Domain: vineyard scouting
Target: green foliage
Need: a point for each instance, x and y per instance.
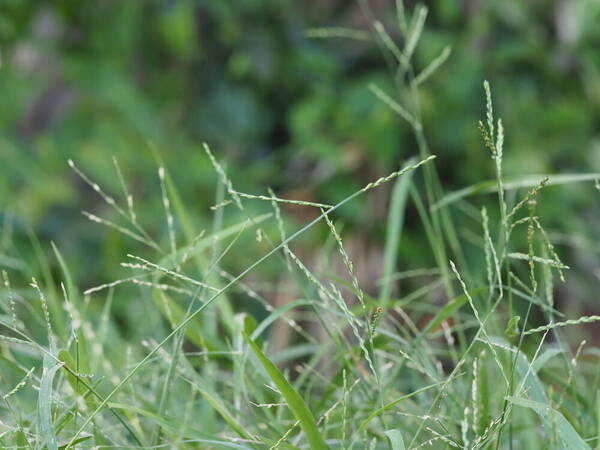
(216, 312)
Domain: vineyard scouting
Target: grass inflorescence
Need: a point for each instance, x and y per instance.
(467, 354)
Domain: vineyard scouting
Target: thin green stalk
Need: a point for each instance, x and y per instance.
(186, 321)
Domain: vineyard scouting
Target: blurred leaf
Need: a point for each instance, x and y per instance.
(292, 397)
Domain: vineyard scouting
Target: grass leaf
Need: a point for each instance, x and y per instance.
(292, 397)
(528, 181)
(393, 232)
(45, 403)
(564, 430)
(395, 440)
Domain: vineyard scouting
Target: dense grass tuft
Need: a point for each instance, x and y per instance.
(467, 354)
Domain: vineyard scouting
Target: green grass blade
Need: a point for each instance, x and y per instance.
(277, 314)
(395, 440)
(449, 308)
(291, 396)
(392, 403)
(172, 426)
(529, 181)
(192, 250)
(172, 311)
(45, 403)
(71, 289)
(79, 440)
(393, 232)
(565, 431)
(546, 356)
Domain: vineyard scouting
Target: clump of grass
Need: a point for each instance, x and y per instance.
(396, 370)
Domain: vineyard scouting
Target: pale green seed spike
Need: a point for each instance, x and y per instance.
(393, 104)
(20, 385)
(416, 29)
(550, 246)
(126, 193)
(475, 396)
(70, 311)
(530, 195)
(389, 43)
(582, 319)
(433, 66)
(338, 32)
(359, 296)
(401, 16)
(167, 207)
(130, 216)
(220, 204)
(146, 265)
(280, 227)
(499, 140)
(285, 436)
(550, 262)
(279, 200)
(188, 251)
(489, 108)
(11, 299)
(96, 187)
(530, 245)
(488, 252)
(354, 324)
(396, 174)
(34, 284)
(120, 229)
(224, 179)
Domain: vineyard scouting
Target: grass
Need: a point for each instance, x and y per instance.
(468, 354)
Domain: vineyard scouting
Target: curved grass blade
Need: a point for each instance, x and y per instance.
(291, 396)
(172, 427)
(529, 181)
(565, 431)
(449, 308)
(393, 233)
(45, 403)
(80, 439)
(395, 440)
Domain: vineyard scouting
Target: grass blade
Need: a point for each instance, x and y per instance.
(393, 232)
(292, 397)
(45, 403)
(528, 181)
(565, 431)
(392, 403)
(395, 440)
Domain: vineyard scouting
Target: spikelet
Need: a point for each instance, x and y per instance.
(42, 297)
(11, 300)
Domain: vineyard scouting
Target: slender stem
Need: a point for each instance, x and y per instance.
(191, 317)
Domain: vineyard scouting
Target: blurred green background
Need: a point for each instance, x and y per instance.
(149, 80)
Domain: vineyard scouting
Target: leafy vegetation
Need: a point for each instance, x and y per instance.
(250, 318)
